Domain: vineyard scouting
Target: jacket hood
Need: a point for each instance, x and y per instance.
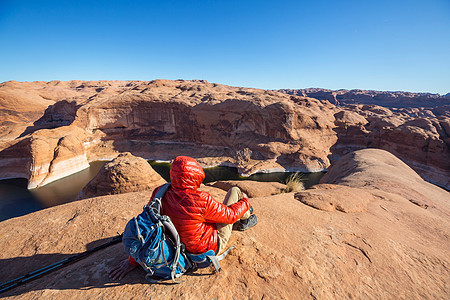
(186, 173)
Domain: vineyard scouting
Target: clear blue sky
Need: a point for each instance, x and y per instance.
(380, 45)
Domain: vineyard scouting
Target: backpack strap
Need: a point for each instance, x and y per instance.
(173, 231)
(156, 203)
(215, 259)
(165, 220)
(138, 232)
(202, 259)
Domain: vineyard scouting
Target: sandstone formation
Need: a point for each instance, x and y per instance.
(382, 173)
(19, 108)
(251, 129)
(23, 103)
(254, 130)
(46, 155)
(126, 173)
(422, 142)
(413, 126)
(380, 245)
(381, 98)
(253, 189)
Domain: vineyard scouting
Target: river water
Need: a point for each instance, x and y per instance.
(16, 200)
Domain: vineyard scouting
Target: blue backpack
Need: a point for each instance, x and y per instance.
(152, 240)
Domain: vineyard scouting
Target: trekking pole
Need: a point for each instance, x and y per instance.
(38, 273)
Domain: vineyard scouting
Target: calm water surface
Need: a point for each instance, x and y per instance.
(16, 200)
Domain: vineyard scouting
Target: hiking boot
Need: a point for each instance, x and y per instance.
(243, 225)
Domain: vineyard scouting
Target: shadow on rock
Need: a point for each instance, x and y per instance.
(89, 272)
(61, 113)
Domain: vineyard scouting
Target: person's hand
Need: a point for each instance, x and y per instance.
(244, 195)
(121, 270)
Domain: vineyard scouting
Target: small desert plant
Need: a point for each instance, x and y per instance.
(294, 183)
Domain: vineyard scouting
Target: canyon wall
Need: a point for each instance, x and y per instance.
(413, 126)
(382, 98)
(421, 142)
(45, 156)
(251, 129)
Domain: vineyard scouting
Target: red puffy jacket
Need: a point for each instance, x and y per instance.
(194, 213)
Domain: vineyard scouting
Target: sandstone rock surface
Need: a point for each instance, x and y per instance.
(126, 173)
(391, 249)
(329, 197)
(253, 189)
(379, 172)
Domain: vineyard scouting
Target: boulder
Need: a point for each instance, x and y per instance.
(126, 173)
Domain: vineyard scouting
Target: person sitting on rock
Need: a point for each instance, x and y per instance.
(202, 223)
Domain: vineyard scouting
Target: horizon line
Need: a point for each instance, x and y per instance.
(267, 89)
